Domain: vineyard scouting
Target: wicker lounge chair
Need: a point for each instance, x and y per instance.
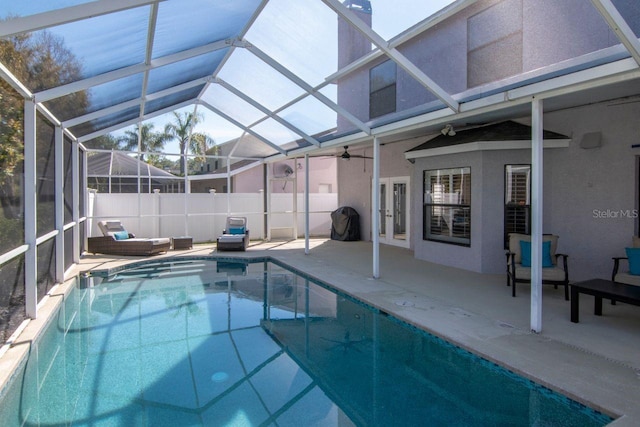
(235, 237)
(117, 241)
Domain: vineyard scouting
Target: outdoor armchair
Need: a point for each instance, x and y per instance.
(554, 271)
(631, 274)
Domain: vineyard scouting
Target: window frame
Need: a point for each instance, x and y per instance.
(518, 205)
(381, 94)
(464, 204)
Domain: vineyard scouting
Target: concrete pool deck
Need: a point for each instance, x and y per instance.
(596, 361)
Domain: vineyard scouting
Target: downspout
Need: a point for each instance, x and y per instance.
(306, 204)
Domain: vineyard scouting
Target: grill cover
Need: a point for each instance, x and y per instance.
(345, 224)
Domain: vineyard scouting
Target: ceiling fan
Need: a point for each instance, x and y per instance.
(347, 156)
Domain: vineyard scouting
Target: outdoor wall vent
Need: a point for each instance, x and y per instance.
(591, 140)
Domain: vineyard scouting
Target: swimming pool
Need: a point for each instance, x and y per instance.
(206, 343)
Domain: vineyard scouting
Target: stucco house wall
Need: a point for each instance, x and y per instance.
(249, 181)
(590, 194)
(594, 189)
(486, 251)
(549, 31)
(322, 176)
(356, 177)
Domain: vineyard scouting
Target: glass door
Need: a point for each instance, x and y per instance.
(394, 211)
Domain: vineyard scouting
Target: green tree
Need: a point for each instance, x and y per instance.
(106, 142)
(183, 130)
(39, 62)
(162, 162)
(150, 141)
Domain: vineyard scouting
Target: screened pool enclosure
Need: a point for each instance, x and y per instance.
(280, 79)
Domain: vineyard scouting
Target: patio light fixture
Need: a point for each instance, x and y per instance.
(448, 130)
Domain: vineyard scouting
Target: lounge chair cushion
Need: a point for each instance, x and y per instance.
(109, 228)
(236, 230)
(514, 245)
(633, 255)
(551, 273)
(525, 253)
(156, 240)
(628, 279)
(231, 238)
(121, 235)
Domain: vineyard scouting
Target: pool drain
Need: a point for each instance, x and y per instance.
(219, 377)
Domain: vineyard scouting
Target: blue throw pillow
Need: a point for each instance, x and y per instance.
(525, 254)
(121, 235)
(633, 254)
(236, 230)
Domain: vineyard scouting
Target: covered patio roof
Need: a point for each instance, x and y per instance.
(270, 69)
(274, 70)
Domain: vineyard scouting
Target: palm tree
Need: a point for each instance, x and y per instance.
(151, 141)
(190, 141)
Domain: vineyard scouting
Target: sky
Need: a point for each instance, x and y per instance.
(278, 30)
(390, 17)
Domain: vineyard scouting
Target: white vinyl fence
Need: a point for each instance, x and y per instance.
(203, 216)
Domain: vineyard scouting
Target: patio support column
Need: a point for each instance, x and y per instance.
(294, 192)
(30, 210)
(536, 213)
(265, 201)
(228, 186)
(110, 169)
(267, 191)
(139, 179)
(79, 190)
(59, 203)
(375, 208)
(306, 204)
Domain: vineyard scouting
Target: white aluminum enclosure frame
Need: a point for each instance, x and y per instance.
(535, 94)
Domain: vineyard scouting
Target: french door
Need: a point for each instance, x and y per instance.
(394, 211)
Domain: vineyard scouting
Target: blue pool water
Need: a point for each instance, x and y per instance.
(206, 343)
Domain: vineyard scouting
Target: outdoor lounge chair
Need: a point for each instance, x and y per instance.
(519, 267)
(631, 275)
(117, 241)
(235, 237)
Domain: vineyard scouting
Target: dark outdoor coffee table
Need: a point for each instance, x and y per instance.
(601, 288)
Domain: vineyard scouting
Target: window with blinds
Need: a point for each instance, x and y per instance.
(517, 200)
(447, 205)
(382, 89)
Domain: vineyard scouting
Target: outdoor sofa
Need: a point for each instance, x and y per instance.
(117, 241)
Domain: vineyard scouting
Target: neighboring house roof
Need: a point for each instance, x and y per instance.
(245, 146)
(498, 136)
(250, 146)
(234, 169)
(115, 163)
